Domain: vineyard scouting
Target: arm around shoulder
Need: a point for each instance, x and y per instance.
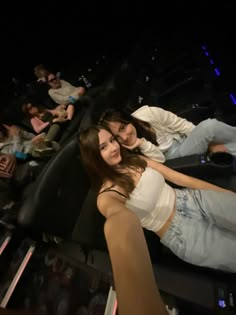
(181, 179)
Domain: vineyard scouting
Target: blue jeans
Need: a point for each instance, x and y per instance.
(203, 230)
(209, 130)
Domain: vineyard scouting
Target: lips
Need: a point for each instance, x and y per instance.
(115, 155)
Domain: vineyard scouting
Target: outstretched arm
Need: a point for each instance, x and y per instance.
(182, 179)
(135, 284)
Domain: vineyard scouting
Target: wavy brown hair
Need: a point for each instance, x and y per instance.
(98, 170)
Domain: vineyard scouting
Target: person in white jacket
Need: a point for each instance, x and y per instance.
(162, 135)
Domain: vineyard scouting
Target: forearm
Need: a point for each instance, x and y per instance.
(70, 111)
(195, 183)
(182, 179)
(135, 285)
(38, 128)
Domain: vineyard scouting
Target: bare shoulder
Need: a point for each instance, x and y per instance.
(106, 185)
(110, 199)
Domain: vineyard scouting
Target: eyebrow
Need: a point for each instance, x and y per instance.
(101, 144)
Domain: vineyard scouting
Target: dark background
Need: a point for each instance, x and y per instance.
(60, 35)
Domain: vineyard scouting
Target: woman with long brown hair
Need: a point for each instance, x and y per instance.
(197, 222)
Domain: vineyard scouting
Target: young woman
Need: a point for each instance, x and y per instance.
(45, 120)
(160, 134)
(197, 223)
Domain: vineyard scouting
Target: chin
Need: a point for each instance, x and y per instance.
(116, 161)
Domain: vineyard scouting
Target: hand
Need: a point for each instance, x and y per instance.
(60, 119)
(217, 148)
(7, 165)
(80, 90)
(60, 107)
(136, 144)
(62, 114)
(38, 139)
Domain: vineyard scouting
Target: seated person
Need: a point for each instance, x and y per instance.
(47, 120)
(197, 222)
(63, 93)
(14, 140)
(162, 135)
(41, 72)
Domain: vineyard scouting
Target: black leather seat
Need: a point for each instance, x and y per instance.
(53, 202)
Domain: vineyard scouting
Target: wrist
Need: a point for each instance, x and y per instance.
(72, 99)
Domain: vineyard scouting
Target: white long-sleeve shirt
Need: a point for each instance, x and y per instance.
(167, 126)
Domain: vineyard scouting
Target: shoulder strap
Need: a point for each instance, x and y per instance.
(110, 189)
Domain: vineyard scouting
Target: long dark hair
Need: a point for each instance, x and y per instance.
(143, 128)
(25, 108)
(98, 170)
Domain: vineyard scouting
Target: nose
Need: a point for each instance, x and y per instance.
(123, 137)
(113, 146)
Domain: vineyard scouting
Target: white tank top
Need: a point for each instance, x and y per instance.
(152, 200)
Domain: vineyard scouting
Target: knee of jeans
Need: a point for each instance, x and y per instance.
(209, 127)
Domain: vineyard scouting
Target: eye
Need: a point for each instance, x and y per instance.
(102, 147)
(122, 127)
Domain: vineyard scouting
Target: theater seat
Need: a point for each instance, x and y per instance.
(217, 168)
(53, 202)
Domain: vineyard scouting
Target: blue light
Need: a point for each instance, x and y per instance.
(203, 47)
(233, 98)
(217, 72)
(221, 303)
(207, 53)
(211, 61)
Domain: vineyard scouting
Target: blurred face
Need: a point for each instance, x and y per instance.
(125, 133)
(109, 148)
(54, 82)
(32, 110)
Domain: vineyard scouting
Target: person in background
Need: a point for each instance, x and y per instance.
(40, 72)
(197, 221)
(64, 93)
(45, 120)
(162, 135)
(14, 140)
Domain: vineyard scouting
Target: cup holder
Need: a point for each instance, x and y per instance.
(221, 159)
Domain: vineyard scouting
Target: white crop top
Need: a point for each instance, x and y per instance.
(152, 200)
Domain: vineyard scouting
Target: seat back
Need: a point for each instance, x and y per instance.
(52, 204)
